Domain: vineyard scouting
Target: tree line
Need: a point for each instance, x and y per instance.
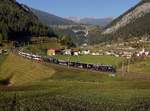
(19, 24)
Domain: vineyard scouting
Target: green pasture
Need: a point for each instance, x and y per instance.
(141, 66)
(92, 59)
(47, 87)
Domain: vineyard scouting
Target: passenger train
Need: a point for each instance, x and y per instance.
(96, 67)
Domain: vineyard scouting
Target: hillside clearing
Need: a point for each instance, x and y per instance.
(23, 71)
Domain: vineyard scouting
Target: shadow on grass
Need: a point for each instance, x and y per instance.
(6, 82)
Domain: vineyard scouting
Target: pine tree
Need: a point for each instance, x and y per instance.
(1, 38)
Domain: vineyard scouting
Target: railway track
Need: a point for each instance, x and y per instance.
(77, 65)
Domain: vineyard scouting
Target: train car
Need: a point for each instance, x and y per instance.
(62, 62)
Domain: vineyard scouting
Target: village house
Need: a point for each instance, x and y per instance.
(95, 53)
(116, 55)
(84, 45)
(67, 52)
(127, 54)
(3, 51)
(75, 52)
(85, 52)
(107, 53)
(53, 51)
(72, 52)
(142, 53)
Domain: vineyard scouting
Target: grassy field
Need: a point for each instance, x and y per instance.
(21, 71)
(141, 67)
(93, 59)
(63, 89)
(2, 58)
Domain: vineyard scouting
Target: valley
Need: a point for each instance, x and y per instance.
(70, 63)
(60, 85)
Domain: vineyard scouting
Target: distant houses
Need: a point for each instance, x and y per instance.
(85, 52)
(116, 53)
(3, 51)
(141, 53)
(126, 54)
(95, 53)
(71, 52)
(75, 52)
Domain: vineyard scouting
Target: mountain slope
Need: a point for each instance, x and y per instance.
(20, 24)
(96, 21)
(51, 19)
(133, 23)
(91, 21)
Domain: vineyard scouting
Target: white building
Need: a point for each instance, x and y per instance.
(76, 53)
(95, 53)
(85, 52)
(143, 52)
(67, 52)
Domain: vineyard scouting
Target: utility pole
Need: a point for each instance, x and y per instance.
(78, 59)
(68, 61)
(128, 70)
(122, 69)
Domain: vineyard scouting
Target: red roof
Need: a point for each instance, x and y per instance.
(54, 49)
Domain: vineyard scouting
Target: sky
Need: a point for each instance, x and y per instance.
(82, 8)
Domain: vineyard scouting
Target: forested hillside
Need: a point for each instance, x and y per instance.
(18, 23)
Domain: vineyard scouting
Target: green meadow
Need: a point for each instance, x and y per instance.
(46, 87)
(141, 67)
(93, 59)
